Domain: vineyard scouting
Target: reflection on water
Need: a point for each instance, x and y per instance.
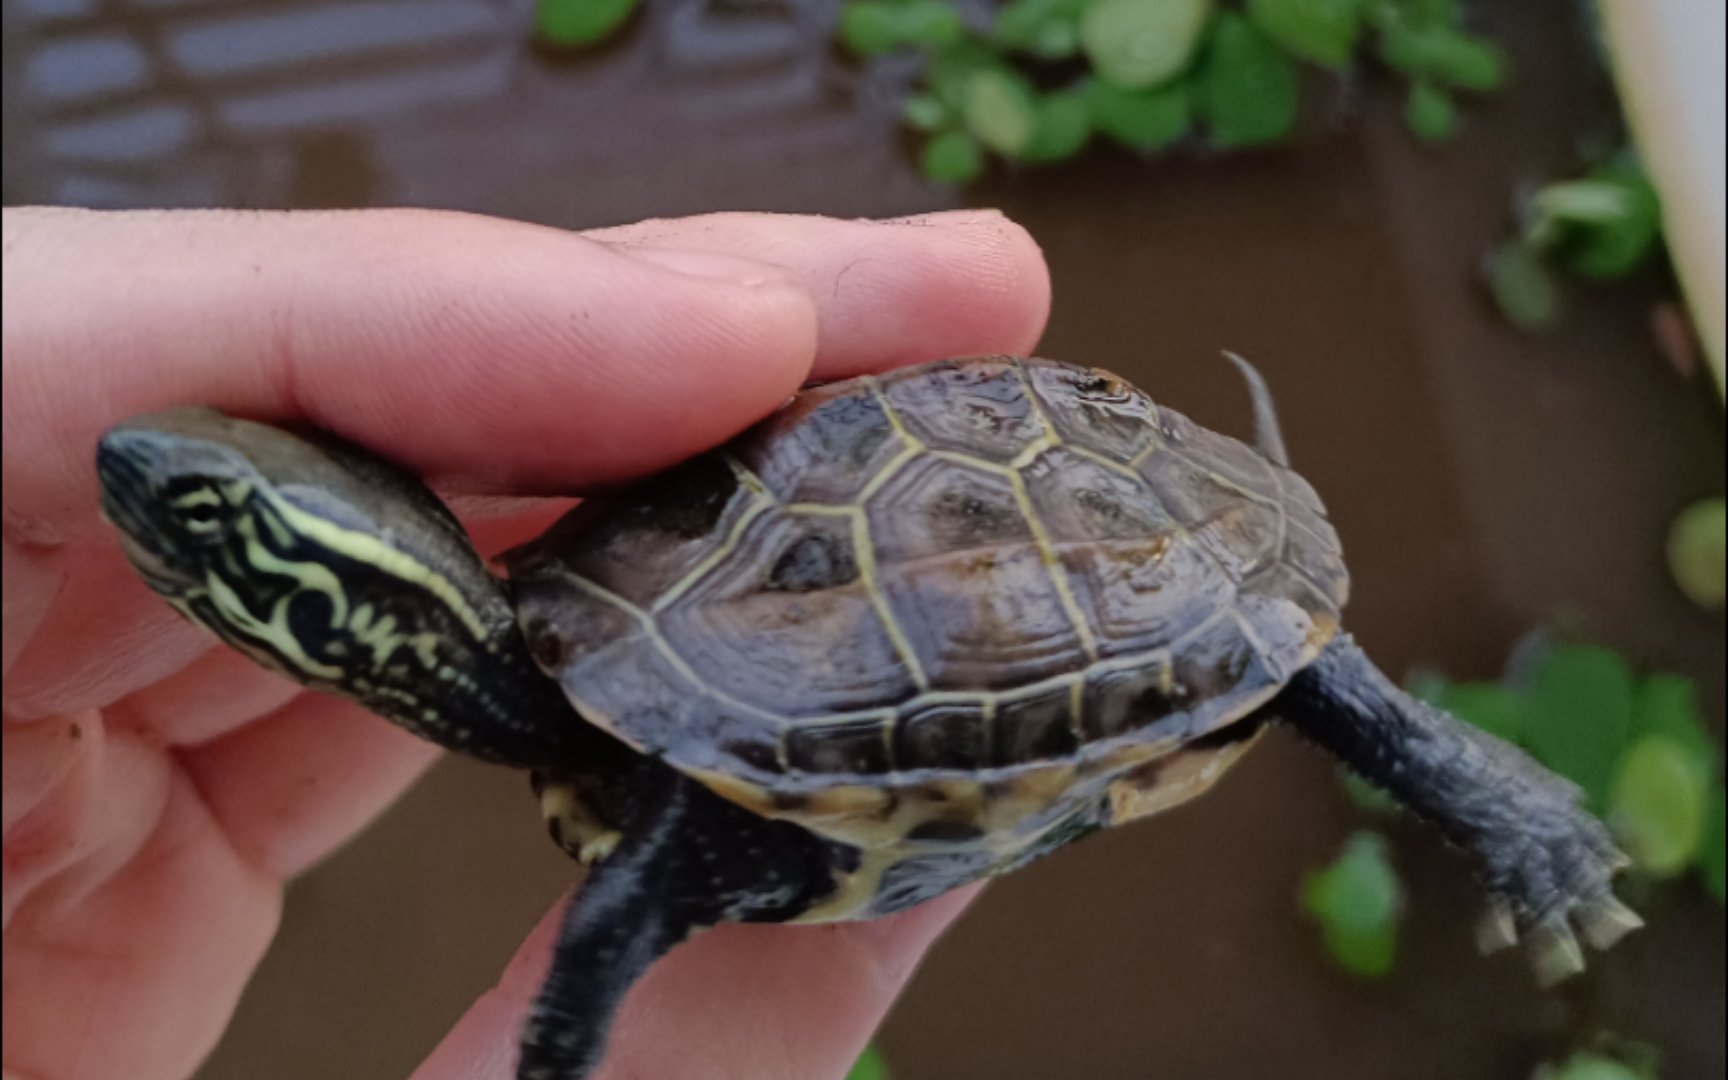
(257, 103)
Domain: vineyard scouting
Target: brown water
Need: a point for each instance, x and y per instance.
(1484, 483)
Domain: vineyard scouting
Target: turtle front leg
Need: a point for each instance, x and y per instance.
(686, 860)
(1541, 856)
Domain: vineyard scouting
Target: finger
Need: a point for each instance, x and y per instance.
(290, 787)
(496, 355)
(89, 997)
(735, 1003)
(889, 292)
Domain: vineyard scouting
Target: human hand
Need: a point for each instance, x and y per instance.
(158, 789)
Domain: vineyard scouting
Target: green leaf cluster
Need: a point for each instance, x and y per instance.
(1636, 746)
(1600, 226)
(1358, 902)
(580, 22)
(879, 26)
(1155, 71)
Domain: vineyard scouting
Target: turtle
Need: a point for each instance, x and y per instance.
(910, 631)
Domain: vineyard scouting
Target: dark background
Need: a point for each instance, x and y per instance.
(1484, 482)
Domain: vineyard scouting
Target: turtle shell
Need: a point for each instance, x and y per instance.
(991, 571)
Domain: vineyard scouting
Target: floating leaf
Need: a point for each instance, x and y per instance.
(926, 112)
(1063, 124)
(579, 22)
(1593, 202)
(1250, 89)
(869, 26)
(1444, 54)
(1047, 28)
(1580, 716)
(1697, 550)
(1141, 119)
(1522, 287)
(1587, 1066)
(953, 157)
(950, 72)
(1667, 705)
(1430, 112)
(1492, 707)
(1323, 31)
(1366, 796)
(1614, 245)
(1659, 805)
(929, 22)
(1000, 110)
(1712, 858)
(870, 1066)
(1141, 43)
(1358, 901)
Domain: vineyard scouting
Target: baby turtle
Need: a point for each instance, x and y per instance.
(910, 631)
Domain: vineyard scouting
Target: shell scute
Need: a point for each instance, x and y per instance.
(641, 543)
(748, 633)
(1243, 537)
(822, 447)
(942, 735)
(1036, 728)
(980, 408)
(979, 619)
(1081, 500)
(1143, 595)
(933, 506)
(1093, 408)
(1120, 700)
(855, 747)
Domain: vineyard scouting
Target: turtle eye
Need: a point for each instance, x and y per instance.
(200, 507)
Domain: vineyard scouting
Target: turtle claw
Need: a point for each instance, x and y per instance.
(1605, 921)
(1498, 929)
(1557, 954)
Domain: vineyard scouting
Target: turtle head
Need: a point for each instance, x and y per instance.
(177, 485)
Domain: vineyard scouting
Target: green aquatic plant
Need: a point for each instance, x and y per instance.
(1602, 225)
(1044, 76)
(1358, 902)
(869, 1066)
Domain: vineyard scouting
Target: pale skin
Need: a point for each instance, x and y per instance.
(159, 789)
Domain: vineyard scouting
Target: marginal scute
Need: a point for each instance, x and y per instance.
(823, 446)
(854, 747)
(979, 408)
(946, 735)
(1120, 700)
(1093, 409)
(1036, 728)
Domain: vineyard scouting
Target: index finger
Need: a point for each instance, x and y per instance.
(489, 355)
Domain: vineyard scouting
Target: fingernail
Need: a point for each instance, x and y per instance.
(970, 216)
(730, 268)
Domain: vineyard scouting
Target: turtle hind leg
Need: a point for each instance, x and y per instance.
(687, 859)
(1546, 862)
